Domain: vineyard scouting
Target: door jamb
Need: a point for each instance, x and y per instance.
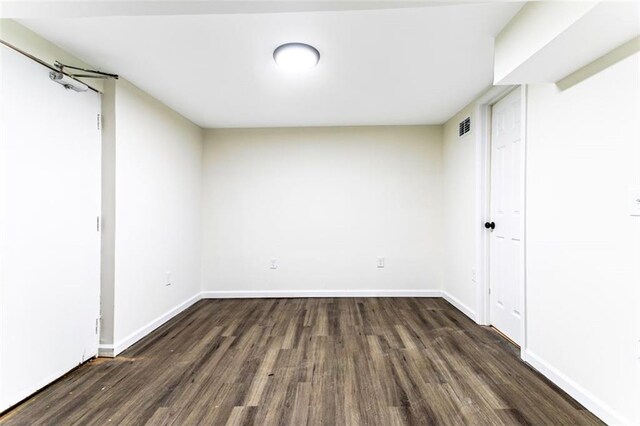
(483, 192)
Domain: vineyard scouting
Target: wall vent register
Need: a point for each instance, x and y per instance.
(464, 127)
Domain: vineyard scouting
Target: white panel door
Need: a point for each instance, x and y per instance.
(49, 242)
(506, 241)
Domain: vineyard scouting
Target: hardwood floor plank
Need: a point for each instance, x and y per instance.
(352, 361)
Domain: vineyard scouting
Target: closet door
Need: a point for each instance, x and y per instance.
(506, 268)
(49, 240)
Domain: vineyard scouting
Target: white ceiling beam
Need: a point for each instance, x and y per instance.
(100, 8)
(547, 41)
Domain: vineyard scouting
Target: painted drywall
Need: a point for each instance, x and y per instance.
(252, 91)
(158, 157)
(583, 247)
(325, 203)
(533, 27)
(459, 211)
(542, 39)
(151, 183)
(605, 61)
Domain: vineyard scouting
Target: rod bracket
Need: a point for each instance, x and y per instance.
(90, 73)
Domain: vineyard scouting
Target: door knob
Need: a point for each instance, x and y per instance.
(490, 225)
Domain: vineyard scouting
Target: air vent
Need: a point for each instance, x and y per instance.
(464, 127)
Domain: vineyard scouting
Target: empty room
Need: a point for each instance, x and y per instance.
(319, 212)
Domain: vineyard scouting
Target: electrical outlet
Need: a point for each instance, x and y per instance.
(274, 263)
(168, 280)
(380, 262)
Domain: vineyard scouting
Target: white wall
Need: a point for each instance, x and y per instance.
(151, 201)
(158, 157)
(583, 247)
(548, 40)
(325, 202)
(459, 209)
(535, 26)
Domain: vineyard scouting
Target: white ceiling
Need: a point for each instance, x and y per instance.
(378, 67)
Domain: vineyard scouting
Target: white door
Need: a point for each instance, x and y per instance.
(49, 242)
(506, 240)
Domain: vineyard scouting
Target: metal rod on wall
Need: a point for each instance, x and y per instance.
(43, 63)
(94, 73)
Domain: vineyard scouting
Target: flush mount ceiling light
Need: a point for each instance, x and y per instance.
(296, 57)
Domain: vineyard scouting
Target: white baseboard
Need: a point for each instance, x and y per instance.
(224, 294)
(577, 392)
(459, 305)
(106, 351)
(113, 350)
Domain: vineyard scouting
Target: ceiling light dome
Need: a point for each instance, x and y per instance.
(296, 57)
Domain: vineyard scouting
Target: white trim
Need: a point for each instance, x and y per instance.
(106, 351)
(483, 130)
(111, 351)
(253, 294)
(494, 94)
(523, 218)
(459, 305)
(577, 392)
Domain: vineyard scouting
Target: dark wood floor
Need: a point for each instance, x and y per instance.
(309, 361)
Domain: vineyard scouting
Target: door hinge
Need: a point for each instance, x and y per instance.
(99, 121)
(97, 324)
(98, 223)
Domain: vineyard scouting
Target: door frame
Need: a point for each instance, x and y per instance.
(482, 112)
